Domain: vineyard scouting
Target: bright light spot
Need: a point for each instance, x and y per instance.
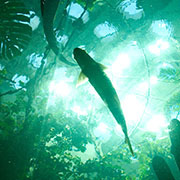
(75, 10)
(165, 65)
(158, 47)
(59, 88)
(143, 87)
(134, 42)
(102, 127)
(89, 107)
(129, 10)
(91, 53)
(153, 80)
(104, 29)
(1, 67)
(61, 39)
(161, 28)
(19, 80)
(51, 142)
(82, 47)
(35, 59)
(61, 73)
(85, 17)
(132, 108)
(102, 132)
(118, 129)
(90, 153)
(79, 111)
(156, 123)
(121, 62)
(34, 21)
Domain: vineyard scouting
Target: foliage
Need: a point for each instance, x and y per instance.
(34, 133)
(14, 27)
(169, 73)
(2, 74)
(11, 118)
(172, 106)
(88, 3)
(44, 148)
(146, 150)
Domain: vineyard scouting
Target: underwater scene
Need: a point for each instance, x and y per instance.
(89, 90)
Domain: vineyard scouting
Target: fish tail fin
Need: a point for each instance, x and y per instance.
(129, 144)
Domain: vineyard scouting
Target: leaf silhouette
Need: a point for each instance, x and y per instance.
(15, 29)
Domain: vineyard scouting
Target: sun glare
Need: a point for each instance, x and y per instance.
(153, 80)
(79, 111)
(159, 46)
(118, 129)
(59, 88)
(132, 108)
(102, 132)
(156, 123)
(143, 87)
(102, 127)
(122, 62)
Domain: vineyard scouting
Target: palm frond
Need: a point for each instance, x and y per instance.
(15, 29)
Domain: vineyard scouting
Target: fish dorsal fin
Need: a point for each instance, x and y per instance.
(103, 67)
(81, 79)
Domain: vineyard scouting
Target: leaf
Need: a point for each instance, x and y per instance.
(167, 73)
(89, 4)
(15, 29)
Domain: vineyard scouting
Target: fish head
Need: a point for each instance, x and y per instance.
(82, 58)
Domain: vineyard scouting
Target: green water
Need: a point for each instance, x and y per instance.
(50, 129)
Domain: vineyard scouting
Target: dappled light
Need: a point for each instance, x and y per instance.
(20, 81)
(158, 47)
(130, 10)
(105, 29)
(122, 62)
(162, 28)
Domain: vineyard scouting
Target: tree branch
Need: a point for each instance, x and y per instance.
(11, 92)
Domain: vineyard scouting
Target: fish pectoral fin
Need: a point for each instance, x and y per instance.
(103, 67)
(81, 79)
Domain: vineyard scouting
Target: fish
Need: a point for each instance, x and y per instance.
(174, 135)
(97, 77)
(48, 12)
(161, 168)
